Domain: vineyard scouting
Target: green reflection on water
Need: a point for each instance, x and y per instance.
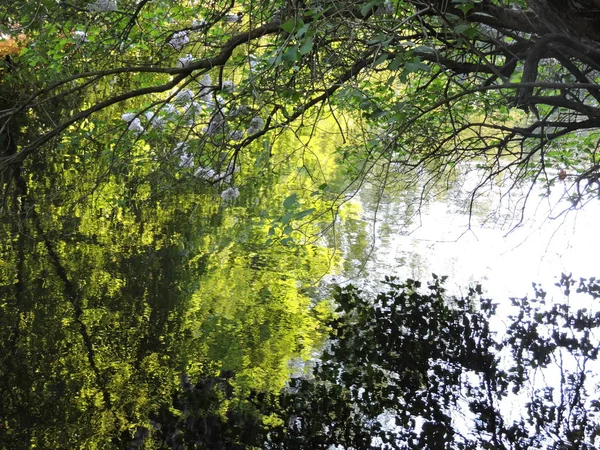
(121, 278)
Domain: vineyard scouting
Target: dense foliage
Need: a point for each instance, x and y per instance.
(416, 368)
(173, 184)
(108, 296)
(430, 85)
(413, 367)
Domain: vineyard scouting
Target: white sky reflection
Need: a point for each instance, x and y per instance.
(505, 262)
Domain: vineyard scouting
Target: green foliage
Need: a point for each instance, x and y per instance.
(120, 269)
(436, 87)
(169, 171)
(415, 368)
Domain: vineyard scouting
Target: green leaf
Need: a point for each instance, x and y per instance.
(396, 62)
(416, 65)
(378, 113)
(306, 47)
(464, 6)
(365, 104)
(460, 28)
(302, 30)
(303, 214)
(286, 218)
(383, 39)
(287, 241)
(382, 58)
(275, 60)
(366, 8)
(369, 6)
(465, 29)
(424, 49)
(292, 24)
(291, 54)
(291, 201)
(452, 17)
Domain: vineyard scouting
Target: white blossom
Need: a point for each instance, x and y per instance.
(232, 168)
(198, 23)
(205, 95)
(80, 37)
(136, 126)
(102, 6)
(227, 175)
(180, 146)
(206, 81)
(179, 40)
(184, 96)
(205, 173)
(216, 125)
(224, 177)
(230, 194)
(185, 61)
(256, 125)
(228, 86)
(386, 8)
(236, 135)
(191, 111)
(253, 61)
(243, 109)
(205, 88)
(186, 160)
(155, 120)
(257, 122)
(128, 117)
(208, 100)
(185, 382)
(230, 18)
(170, 110)
(193, 108)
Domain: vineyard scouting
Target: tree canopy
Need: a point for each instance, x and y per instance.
(173, 180)
(507, 87)
(413, 367)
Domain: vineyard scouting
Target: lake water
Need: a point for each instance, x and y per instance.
(494, 246)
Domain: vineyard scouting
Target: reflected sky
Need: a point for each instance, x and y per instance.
(492, 246)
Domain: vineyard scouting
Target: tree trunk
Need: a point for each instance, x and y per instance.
(577, 18)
